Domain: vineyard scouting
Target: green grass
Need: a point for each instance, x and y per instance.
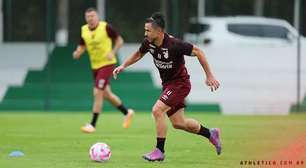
(53, 140)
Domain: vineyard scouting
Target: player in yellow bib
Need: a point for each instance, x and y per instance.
(98, 37)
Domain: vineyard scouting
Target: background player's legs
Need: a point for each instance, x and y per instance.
(96, 110)
(111, 97)
(97, 105)
(115, 101)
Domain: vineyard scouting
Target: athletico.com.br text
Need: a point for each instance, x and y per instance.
(272, 163)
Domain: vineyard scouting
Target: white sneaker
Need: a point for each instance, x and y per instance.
(88, 128)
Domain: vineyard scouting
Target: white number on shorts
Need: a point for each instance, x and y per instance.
(169, 92)
(101, 83)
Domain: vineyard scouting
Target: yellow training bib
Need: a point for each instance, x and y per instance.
(98, 44)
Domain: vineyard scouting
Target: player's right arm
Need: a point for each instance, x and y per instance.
(78, 51)
(129, 61)
(144, 48)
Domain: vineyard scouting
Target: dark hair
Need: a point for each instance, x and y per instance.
(91, 9)
(157, 19)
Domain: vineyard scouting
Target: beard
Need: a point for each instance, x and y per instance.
(151, 40)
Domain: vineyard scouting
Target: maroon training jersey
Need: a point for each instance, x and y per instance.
(169, 57)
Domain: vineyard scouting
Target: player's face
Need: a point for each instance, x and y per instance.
(151, 33)
(92, 19)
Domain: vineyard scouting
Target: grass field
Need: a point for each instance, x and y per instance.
(54, 140)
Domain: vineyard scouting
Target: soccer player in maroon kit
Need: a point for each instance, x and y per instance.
(168, 55)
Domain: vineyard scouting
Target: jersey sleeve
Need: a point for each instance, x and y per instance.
(144, 48)
(111, 32)
(82, 41)
(184, 48)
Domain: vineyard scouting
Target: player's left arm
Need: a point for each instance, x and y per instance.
(116, 38)
(118, 44)
(211, 81)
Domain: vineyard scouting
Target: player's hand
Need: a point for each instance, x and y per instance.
(117, 71)
(212, 83)
(110, 55)
(76, 55)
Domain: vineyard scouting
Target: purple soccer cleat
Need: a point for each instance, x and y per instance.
(155, 155)
(215, 139)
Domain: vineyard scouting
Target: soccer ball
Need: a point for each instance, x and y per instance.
(100, 152)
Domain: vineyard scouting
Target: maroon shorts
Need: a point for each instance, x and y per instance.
(102, 76)
(174, 94)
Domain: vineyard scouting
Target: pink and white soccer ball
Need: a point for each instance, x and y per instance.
(100, 152)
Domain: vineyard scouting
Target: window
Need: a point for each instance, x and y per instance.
(245, 29)
(196, 28)
(259, 30)
(275, 31)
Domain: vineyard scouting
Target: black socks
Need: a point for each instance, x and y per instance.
(122, 109)
(95, 116)
(94, 119)
(204, 132)
(160, 143)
